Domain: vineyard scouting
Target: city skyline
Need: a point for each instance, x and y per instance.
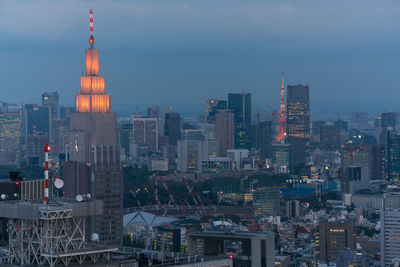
(190, 173)
(224, 46)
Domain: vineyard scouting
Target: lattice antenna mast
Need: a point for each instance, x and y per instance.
(282, 116)
(91, 39)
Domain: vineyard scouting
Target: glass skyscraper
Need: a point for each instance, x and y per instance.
(240, 104)
(298, 111)
(297, 124)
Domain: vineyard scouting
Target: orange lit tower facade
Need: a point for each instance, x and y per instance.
(93, 154)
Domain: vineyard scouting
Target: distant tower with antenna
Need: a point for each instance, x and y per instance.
(92, 166)
(282, 115)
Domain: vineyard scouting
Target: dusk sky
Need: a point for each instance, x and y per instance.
(178, 53)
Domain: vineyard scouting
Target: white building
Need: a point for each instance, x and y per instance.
(191, 153)
(390, 229)
(237, 155)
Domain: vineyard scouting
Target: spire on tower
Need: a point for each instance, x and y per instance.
(282, 117)
(91, 39)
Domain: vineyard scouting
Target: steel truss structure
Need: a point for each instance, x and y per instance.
(55, 237)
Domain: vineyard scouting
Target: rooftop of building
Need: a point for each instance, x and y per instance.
(230, 234)
(146, 218)
(31, 210)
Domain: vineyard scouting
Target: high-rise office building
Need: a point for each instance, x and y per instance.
(125, 133)
(281, 156)
(164, 111)
(192, 150)
(298, 111)
(316, 127)
(208, 130)
(240, 104)
(390, 229)
(359, 120)
(35, 120)
(333, 237)
(385, 123)
(343, 125)
(34, 145)
(191, 153)
(65, 112)
(192, 134)
(62, 128)
(292, 208)
(298, 153)
(212, 106)
(298, 124)
(10, 137)
(393, 157)
(52, 102)
(93, 158)
(388, 120)
(224, 131)
(265, 144)
(153, 112)
(376, 162)
(330, 136)
(145, 132)
(172, 127)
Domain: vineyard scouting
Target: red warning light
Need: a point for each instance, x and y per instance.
(47, 148)
(230, 256)
(17, 183)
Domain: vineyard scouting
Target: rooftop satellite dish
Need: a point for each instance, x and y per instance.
(79, 198)
(3, 196)
(58, 183)
(94, 237)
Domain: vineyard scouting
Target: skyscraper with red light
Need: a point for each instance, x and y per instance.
(93, 154)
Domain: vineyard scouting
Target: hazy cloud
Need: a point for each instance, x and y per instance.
(307, 21)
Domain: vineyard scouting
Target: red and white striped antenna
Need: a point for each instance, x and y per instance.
(282, 115)
(91, 39)
(46, 174)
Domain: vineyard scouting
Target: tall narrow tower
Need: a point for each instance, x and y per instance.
(93, 154)
(92, 97)
(240, 104)
(282, 117)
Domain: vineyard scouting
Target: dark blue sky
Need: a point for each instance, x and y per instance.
(178, 53)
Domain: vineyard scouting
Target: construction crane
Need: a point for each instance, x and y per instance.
(155, 190)
(190, 192)
(171, 196)
(201, 201)
(135, 197)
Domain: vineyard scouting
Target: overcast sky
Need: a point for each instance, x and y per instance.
(179, 52)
